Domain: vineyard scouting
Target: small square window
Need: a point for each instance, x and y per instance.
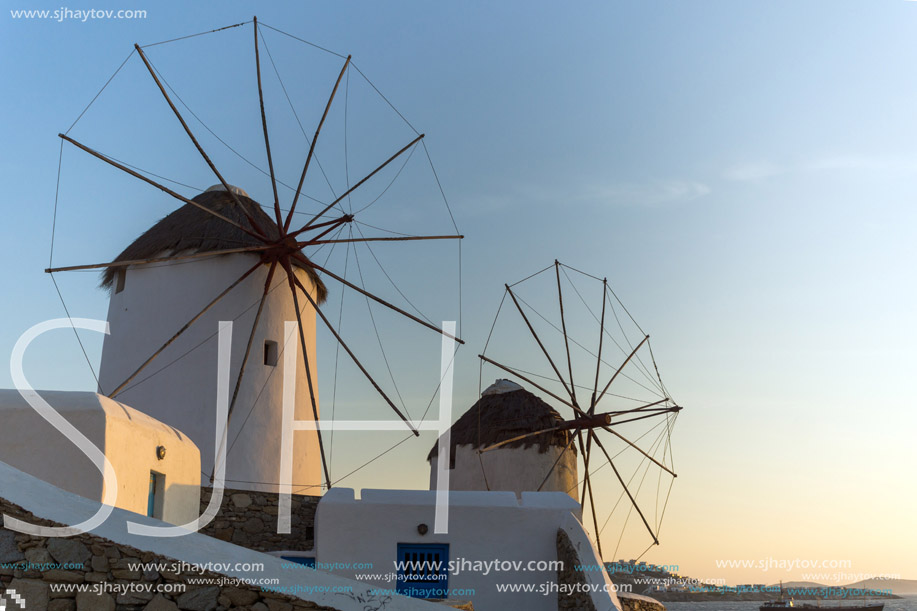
(120, 276)
(270, 353)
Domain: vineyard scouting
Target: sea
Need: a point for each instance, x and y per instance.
(899, 604)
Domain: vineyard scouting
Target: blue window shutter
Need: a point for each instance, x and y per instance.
(424, 572)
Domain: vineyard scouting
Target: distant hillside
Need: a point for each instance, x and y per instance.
(799, 584)
(899, 587)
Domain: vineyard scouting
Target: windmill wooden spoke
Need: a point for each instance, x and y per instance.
(197, 145)
(543, 349)
(588, 485)
(577, 424)
(639, 449)
(198, 255)
(626, 489)
(334, 222)
(556, 462)
(160, 187)
(379, 300)
(642, 408)
(353, 357)
(383, 239)
(598, 361)
(291, 277)
(660, 412)
(183, 329)
(305, 169)
(353, 188)
(536, 385)
(623, 365)
(251, 339)
(563, 324)
(267, 140)
(583, 452)
(587, 453)
(331, 226)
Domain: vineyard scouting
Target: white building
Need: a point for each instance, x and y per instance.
(151, 302)
(494, 540)
(157, 466)
(506, 411)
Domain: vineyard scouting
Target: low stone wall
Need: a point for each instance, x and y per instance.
(249, 519)
(635, 602)
(578, 599)
(87, 561)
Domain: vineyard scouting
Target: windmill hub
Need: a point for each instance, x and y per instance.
(282, 251)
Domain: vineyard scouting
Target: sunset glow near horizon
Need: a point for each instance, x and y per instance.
(744, 175)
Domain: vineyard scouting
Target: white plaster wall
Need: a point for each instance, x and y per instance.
(516, 469)
(128, 438)
(179, 387)
(323, 589)
(482, 526)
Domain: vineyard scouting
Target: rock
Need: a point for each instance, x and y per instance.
(150, 575)
(113, 553)
(126, 574)
(90, 601)
(133, 598)
(240, 597)
(61, 576)
(125, 563)
(35, 593)
(62, 594)
(9, 551)
(38, 555)
(171, 575)
(161, 603)
(100, 564)
(94, 577)
(68, 551)
(259, 607)
(223, 534)
(278, 605)
(253, 525)
(201, 599)
(62, 604)
(241, 500)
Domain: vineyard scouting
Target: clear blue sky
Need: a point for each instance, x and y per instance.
(744, 174)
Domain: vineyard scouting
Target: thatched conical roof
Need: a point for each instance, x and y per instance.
(192, 230)
(506, 410)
